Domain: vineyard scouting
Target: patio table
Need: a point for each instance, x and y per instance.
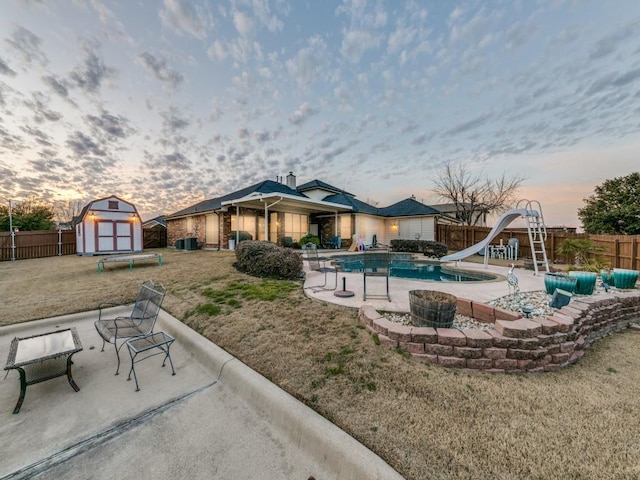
(43, 357)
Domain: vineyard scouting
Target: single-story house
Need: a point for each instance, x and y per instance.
(108, 225)
(284, 212)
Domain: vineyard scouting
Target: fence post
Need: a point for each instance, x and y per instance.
(616, 252)
(634, 254)
(553, 248)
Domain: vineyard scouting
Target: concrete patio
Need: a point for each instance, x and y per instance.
(216, 418)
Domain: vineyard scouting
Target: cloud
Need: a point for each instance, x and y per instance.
(172, 122)
(303, 112)
(244, 25)
(186, 16)
(81, 145)
(218, 51)
(309, 64)
(112, 125)
(39, 104)
(27, 46)
(356, 43)
(470, 124)
(93, 72)
(158, 67)
(610, 43)
(58, 86)
(5, 69)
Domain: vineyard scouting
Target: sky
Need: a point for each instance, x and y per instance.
(166, 103)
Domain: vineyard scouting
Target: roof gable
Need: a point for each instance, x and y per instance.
(356, 205)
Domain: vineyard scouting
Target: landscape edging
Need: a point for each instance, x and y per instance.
(516, 344)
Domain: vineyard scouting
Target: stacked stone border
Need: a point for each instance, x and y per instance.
(516, 344)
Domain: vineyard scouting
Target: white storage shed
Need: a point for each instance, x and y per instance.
(108, 225)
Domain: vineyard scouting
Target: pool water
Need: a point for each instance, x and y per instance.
(404, 266)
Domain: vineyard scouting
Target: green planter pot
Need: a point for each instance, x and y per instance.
(559, 280)
(432, 309)
(625, 278)
(607, 277)
(586, 282)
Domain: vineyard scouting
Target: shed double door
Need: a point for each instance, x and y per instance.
(114, 236)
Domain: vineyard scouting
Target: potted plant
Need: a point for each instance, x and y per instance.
(430, 308)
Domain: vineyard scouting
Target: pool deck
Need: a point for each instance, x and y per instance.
(399, 287)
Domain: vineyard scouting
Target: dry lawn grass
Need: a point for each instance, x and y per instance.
(426, 421)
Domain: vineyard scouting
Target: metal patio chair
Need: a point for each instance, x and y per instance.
(138, 323)
(317, 265)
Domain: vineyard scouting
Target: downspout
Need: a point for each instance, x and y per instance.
(237, 226)
(266, 217)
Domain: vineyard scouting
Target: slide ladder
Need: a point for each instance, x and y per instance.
(537, 231)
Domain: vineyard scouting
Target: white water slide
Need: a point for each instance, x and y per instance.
(500, 225)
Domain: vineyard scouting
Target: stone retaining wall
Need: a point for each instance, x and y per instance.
(516, 344)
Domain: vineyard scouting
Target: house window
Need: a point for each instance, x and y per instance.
(247, 224)
(295, 225)
(345, 226)
(113, 205)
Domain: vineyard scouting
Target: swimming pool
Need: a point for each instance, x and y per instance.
(403, 265)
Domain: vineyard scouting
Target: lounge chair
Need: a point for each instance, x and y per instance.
(335, 242)
(138, 323)
(316, 265)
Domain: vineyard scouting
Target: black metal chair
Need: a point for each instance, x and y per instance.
(138, 323)
(317, 265)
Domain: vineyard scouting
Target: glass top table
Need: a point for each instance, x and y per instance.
(43, 357)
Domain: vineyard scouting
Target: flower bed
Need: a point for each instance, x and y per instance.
(515, 344)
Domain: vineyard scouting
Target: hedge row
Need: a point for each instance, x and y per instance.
(428, 247)
(265, 259)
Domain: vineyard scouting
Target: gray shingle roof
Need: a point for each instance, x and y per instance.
(357, 205)
(268, 186)
(320, 184)
(408, 207)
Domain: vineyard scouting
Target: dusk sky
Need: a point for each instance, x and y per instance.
(165, 103)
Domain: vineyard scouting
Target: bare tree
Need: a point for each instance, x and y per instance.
(475, 194)
(65, 210)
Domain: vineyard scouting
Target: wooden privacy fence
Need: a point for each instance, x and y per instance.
(621, 251)
(46, 243)
(51, 243)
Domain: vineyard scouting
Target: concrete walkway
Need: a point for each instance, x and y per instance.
(215, 419)
(399, 287)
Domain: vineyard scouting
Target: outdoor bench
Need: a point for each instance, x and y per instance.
(130, 259)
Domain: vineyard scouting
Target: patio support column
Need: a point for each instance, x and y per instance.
(336, 225)
(266, 222)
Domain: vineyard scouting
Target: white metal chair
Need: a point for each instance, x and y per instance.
(316, 265)
(138, 323)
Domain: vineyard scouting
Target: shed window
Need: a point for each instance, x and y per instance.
(113, 205)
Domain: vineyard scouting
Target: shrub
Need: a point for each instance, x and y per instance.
(265, 259)
(309, 238)
(427, 247)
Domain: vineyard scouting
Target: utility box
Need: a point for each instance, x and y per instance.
(191, 243)
(180, 244)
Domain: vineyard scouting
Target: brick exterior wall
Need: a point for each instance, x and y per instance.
(517, 344)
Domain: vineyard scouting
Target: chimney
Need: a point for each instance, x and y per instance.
(291, 181)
